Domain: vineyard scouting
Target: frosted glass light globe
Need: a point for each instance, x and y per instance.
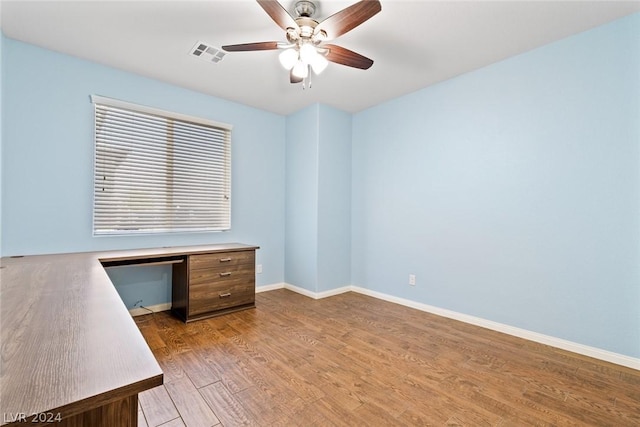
(319, 63)
(300, 70)
(288, 58)
(308, 53)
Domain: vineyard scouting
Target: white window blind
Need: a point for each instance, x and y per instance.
(158, 172)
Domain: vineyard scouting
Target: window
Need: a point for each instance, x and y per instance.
(159, 172)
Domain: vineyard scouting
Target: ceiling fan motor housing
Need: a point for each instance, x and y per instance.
(305, 8)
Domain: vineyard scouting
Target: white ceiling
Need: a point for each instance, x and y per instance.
(413, 43)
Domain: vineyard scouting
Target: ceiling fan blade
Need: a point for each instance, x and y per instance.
(278, 13)
(347, 57)
(293, 78)
(349, 18)
(250, 46)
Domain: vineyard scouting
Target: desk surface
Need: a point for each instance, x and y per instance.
(68, 342)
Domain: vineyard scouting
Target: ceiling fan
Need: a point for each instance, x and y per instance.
(306, 49)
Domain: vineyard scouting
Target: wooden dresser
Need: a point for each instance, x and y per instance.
(214, 283)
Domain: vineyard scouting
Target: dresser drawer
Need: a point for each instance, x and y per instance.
(221, 259)
(216, 276)
(205, 297)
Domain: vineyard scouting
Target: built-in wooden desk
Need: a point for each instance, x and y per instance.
(71, 353)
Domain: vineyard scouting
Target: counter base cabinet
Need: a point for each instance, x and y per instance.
(211, 284)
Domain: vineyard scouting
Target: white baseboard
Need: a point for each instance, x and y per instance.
(303, 291)
(273, 287)
(139, 311)
(596, 353)
(317, 295)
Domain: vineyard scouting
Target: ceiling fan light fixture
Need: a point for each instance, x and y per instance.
(319, 63)
(288, 58)
(300, 70)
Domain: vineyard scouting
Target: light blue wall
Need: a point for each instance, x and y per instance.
(318, 199)
(1, 130)
(151, 284)
(47, 162)
(334, 195)
(301, 241)
(512, 192)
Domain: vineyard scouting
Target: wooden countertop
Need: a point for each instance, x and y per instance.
(68, 342)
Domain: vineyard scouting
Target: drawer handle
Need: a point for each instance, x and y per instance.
(225, 274)
(225, 259)
(228, 294)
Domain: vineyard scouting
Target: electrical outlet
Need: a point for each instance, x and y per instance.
(259, 268)
(412, 279)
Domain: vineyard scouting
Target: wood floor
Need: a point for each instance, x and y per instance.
(353, 360)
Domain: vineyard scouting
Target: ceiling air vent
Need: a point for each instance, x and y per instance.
(207, 52)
